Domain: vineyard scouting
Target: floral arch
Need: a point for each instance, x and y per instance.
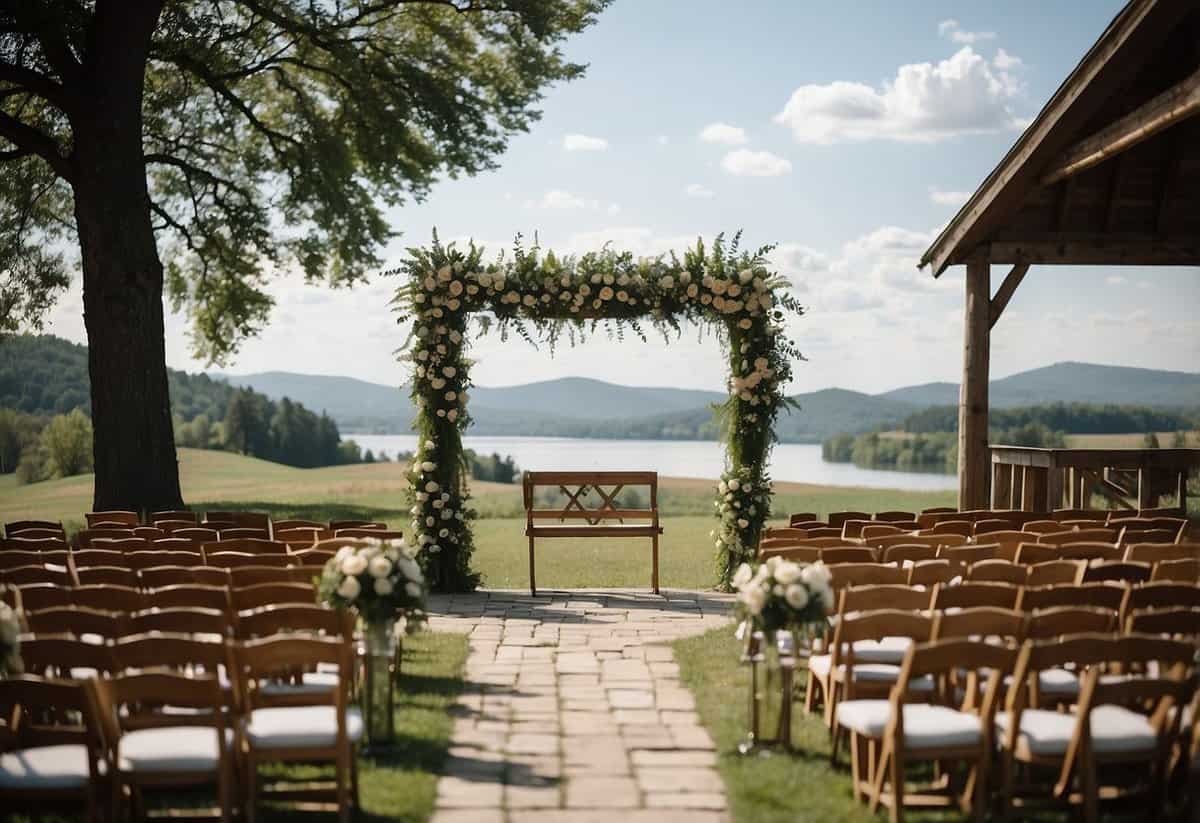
(541, 297)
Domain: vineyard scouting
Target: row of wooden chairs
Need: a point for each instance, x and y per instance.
(161, 524)
(159, 715)
(117, 599)
(1156, 531)
(985, 520)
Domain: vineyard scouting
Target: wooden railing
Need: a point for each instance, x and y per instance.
(1042, 480)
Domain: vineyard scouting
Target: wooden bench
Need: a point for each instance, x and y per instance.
(590, 522)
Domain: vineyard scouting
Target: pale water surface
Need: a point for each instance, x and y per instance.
(672, 458)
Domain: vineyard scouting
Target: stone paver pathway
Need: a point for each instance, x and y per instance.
(573, 711)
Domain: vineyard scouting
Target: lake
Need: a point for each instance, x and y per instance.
(794, 462)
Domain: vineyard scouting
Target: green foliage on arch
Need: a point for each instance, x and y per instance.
(544, 298)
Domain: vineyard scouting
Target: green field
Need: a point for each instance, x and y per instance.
(220, 480)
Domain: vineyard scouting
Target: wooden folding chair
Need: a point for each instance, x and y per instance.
(247, 544)
(966, 555)
(1101, 595)
(65, 657)
(116, 517)
(803, 517)
(930, 573)
(156, 577)
(34, 544)
(1180, 623)
(1107, 552)
(16, 558)
(152, 745)
(997, 571)
(57, 535)
(852, 529)
(80, 622)
(283, 525)
(181, 620)
(1158, 552)
(171, 526)
(1108, 727)
(806, 525)
(960, 527)
(888, 735)
(880, 530)
(271, 594)
(776, 532)
(38, 596)
(312, 557)
(52, 753)
(1117, 571)
(837, 519)
(81, 558)
(1161, 596)
(1055, 572)
(15, 527)
(1030, 553)
(895, 516)
(887, 541)
(1042, 527)
(109, 598)
(973, 595)
(863, 574)
(988, 623)
(33, 575)
(305, 619)
(106, 576)
(301, 537)
(908, 552)
(297, 725)
(847, 554)
(150, 533)
(1148, 536)
(984, 527)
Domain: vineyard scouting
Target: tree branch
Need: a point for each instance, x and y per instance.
(27, 138)
(36, 83)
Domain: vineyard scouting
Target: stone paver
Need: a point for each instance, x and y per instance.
(573, 711)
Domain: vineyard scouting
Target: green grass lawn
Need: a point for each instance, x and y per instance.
(399, 787)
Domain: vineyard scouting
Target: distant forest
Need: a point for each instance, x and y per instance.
(1070, 418)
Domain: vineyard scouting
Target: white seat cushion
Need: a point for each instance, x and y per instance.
(1115, 729)
(171, 749)
(870, 673)
(45, 767)
(292, 727)
(311, 683)
(925, 726)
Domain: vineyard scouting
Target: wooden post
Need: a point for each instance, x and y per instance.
(974, 458)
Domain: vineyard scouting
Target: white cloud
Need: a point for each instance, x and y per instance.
(1115, 280)
(662, 140)
(925, 102)
(612, 208)
(951, 29)
(583, 142)
(699, 191)
(641, 240)
(746, 163)
(1005, 61)
(724, 134)
(949, 198)
(561, 200)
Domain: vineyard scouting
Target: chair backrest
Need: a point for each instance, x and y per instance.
(791, 551)
(847, 554)
(150, 533)
(175, 544)
(1090, 515)
(84, 537)
(1100, 595)
(1042, 527)
(107, 576)
(82, 558)
(861, 574)
(271, 594)
(260, 660)
(873, 625)
(801, 517)
(338, 525)
(807, 525)
(1007, 540)
(1118, 571)
(837, 519)
(378, 534)
(175, 515)
(812, 542)
(243, 533)
(1158, 552)
(41, 534)
(241, 576)
(253, 520)
(15, 527)
(178, 650)
(932, 572)
(77, 621)
(153, 699)
(970, 595)
(1096, 535)
(1054, 572)
(852, 529)
(109, 598)
(34, 574)
(893, 516)
(1060, 621)
(312, 557)
(60, 655)
(909, 552)
(37, 596)
(889, 540)
(171, 526)
(1163, 596)
(980, 621)
(33, 544)
(249, 545)
(1089, 551)
(189, 596)
(1177, 571)
(1178, 622)
(302, 537)
(151, 558)
(229, 560)
(949, 659)
(180, 620)
(282, 525)
(1149, 536)
(887, 596)
(158, 576)
(778, 532)
(125, 518)
(16, 558)
(991, 525)
(947, 538)
(968, 554)
(130, 543)
(197, 533)
(46, 712)
(997, 571)
(876, 530)
(1030, 553)
(959, 527)
(307, 618)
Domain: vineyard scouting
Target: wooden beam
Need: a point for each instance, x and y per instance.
(998, 303)
(1163, 111)
(1064, 204)
(1084, 249)
(1172, 159)
(1115, 182)
(974, 456)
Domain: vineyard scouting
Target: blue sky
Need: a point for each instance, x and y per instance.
(846, 133)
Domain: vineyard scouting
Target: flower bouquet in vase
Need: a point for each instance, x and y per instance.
(779, 602)
(381, 581)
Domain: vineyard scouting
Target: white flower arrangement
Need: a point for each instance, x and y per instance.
(742, 506)
(380, 579)
(446, 287)
(781, 594)
(10, 642)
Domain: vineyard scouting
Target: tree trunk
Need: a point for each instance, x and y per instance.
(134, 445)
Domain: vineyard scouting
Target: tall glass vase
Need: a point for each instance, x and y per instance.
(378, 701)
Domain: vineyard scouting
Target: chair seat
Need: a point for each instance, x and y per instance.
(1115, 730)
(299, 727)
(870, 673)
(925, 726)
(171, 749)
(887, 650)
(45, 767)
(310, 683)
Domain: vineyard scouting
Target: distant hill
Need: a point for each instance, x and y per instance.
(1071, 383)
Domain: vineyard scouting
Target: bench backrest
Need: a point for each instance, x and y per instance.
(577, 485)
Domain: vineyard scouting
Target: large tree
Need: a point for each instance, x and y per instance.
(241, 138)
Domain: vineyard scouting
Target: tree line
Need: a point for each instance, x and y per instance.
(932, 451)
(1072, 418)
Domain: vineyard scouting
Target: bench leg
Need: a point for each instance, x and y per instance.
(654, 562)
(532, 581)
